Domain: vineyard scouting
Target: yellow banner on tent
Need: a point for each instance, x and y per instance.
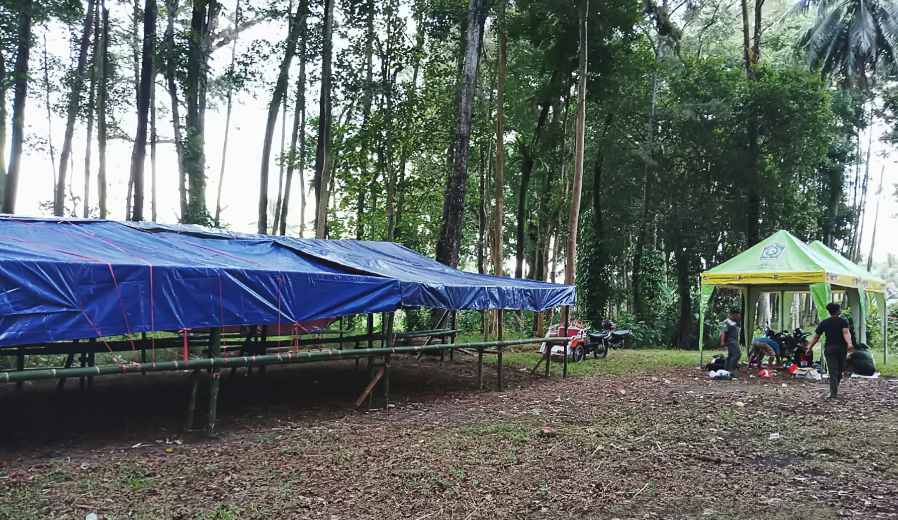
(776, 278)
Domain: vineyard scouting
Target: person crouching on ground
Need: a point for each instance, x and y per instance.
(861, 361)
(729, 340)
(761, 348)
(836, 346)
(804, 355)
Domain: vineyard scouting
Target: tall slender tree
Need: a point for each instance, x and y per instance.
(449, 244)
(10, 183)
(139, 153)
(299, 130)
(325, 120)
(277, 99)
(500, 152)
(73, 102)
(230, 105)
(580, 133)
(101, 112)
(91, 107)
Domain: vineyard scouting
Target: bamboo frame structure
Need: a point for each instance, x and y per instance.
(206, 371)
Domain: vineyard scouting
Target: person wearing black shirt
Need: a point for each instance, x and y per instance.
(836, 346)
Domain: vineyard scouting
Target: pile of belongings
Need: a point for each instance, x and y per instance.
(718, 362)
(724, 375)
(805, 373)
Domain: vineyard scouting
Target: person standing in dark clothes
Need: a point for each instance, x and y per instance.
(836, 346)
(729, 340)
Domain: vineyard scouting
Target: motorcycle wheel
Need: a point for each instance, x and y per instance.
(600, 352)
(578, 354)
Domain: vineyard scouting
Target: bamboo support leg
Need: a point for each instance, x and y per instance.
(143, 351)
(480, 368)
(91, 362)
(82, 381)
(68, 364)
(366, 394)
(567, 315)
(386, 379)
(191, 402)
(214, 381)
(501, 337)
(388, 343)
(20, 366)
(261, 352)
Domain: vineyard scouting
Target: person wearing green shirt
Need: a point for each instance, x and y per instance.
(861, 361)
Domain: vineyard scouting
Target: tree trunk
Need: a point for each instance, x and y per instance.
(639, 311)
(570, 269)
(202, 19)
(277, 98)
(746, 44)
(498, 257)
(3, 118)
(449, 244)
(171, 7)
(74, 95)
(756, 48)
(154, 138)
(90, 112)
(101, 114)
(875, 220)
(230, 105)
(322, 152)
(280, 200)
(388, 81)
(299, 125)
(46, 67)
(861, 213)
(366, 115)
(20, 87)
(138, 156)
(526, 170)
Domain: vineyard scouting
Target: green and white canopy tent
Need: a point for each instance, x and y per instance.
(785, 265)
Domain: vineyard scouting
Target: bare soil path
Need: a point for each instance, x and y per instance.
(669, 444)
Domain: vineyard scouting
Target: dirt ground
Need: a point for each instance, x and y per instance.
(669, 444)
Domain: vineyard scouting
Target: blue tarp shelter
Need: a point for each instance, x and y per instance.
(64, 279)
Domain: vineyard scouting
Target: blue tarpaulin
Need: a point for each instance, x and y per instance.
(424, 281)
(70, 279)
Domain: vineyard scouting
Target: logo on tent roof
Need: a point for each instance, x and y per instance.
(773, 251)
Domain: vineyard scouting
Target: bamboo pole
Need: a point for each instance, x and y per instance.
(566, 313)
(455, 331)
(91, 361)
(370, 387)
(388, 343)
(215, 381)
(500, 331)
(261, 350)
(20, 366)
(480, 368)
(68, 364)
(191, 403)
(246, 361)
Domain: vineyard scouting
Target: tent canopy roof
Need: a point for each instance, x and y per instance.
(783, 259)
(65, 279)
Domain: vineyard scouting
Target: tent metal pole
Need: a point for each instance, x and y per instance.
(215, 380)
(500, 314)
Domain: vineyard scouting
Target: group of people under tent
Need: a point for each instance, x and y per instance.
(841, 352)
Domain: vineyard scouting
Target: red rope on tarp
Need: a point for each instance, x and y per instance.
(279, 309)
(84, 257)
(221, 308)
(114, 356)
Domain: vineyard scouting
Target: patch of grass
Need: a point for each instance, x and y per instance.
(618, 361)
